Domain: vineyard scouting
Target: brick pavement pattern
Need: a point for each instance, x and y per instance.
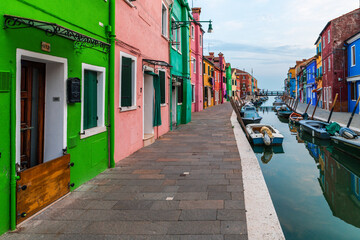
(187, 185)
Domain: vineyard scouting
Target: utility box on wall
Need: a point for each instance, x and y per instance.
(73, 90)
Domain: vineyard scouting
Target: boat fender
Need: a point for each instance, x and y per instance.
(267, 130)
(266, 138)
(347, 133)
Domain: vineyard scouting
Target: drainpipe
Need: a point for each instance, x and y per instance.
(111, 83)
(170, 81)
(13, 174)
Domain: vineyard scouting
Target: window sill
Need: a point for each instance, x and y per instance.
(92, 131)
(163, 105)
(179, 104)
(126, 109)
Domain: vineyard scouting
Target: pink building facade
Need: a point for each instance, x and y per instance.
(196, 54)
(142, 54)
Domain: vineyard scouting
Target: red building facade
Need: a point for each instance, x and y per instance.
(334, 58)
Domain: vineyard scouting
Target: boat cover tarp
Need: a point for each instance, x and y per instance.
(333, 128)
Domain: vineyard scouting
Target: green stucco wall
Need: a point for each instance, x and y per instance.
(89, 155)
(228, 82)
(180, 61)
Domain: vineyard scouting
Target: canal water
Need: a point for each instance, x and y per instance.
(314, 186)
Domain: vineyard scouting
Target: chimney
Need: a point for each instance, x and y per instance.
(211, 54)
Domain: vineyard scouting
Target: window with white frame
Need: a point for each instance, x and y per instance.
(353, 58)
(193, 93)
(329, 36)
(93, 100)
(164, 16)
(194, 64)
(192, 31)
(324, 42)
(200, 40)
(200, 68)
(329, 66)
(325, 66)
(127, 99)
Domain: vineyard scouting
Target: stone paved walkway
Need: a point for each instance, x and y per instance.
(187, 185)
(340, 117)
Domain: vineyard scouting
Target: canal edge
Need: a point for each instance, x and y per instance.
(261, 218)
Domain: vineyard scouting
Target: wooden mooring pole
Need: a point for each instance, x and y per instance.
(353, 112)
(317, 102)
(332, 108)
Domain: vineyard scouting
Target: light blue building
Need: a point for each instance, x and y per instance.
(353, 71)
(310, 82)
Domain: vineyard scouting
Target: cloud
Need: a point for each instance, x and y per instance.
(268, 36)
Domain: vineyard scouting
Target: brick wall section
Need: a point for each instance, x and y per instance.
(340, 29)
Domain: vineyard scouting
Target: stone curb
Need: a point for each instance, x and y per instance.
(261, 218)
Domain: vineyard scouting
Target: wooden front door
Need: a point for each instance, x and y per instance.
(32, 113)
(41, 182)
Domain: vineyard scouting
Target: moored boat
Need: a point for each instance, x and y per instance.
(295, 118)
(263, 134)
(315, 128)
(284, 112)
(251, 116)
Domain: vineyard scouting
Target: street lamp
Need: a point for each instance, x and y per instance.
(178, 24)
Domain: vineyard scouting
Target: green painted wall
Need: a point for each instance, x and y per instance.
(228, 82)
(90, 155)
(180, 61)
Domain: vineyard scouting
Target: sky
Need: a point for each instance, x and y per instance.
(267, 36)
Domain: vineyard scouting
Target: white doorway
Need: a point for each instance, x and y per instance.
(148, 105)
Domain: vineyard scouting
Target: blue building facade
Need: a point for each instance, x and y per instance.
(353, 71)
(292, 85)
(310, 82)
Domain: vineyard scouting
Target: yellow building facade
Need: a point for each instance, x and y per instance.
(208, 83)
(233, 82)
(319, 71)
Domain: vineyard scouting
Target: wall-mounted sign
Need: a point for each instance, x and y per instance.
(45, 46)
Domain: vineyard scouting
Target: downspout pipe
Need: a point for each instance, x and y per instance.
(13, 175)
(111, 79)
(170, 81)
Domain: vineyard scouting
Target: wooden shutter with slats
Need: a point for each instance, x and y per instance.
(162, 86)
(126, 82)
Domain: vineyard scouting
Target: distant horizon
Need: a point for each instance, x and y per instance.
(268, 36)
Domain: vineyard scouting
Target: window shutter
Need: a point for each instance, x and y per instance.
(162, 86)
(90, 99)
(126, 82)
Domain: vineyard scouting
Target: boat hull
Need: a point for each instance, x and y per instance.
(251, 120)
(349, 146)
(260, 141)
(315, 128)
(284, 114)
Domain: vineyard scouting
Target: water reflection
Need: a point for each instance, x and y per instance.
(339, 175)
(268, 152)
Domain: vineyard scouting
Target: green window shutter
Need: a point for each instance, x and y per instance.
(162, 86)
(90, 99)
(126, 82)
